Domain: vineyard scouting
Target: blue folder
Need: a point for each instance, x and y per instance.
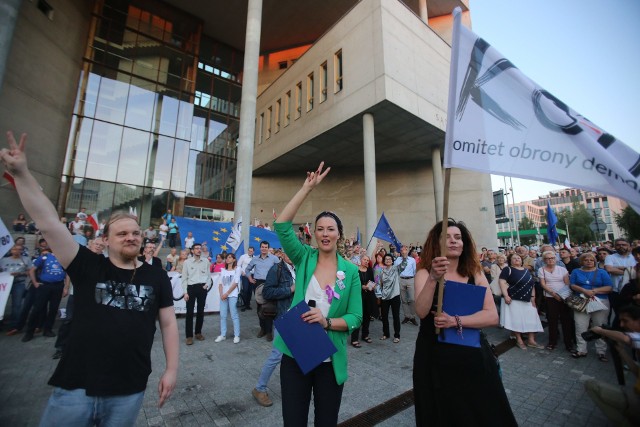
(309, 343)
(462, 299)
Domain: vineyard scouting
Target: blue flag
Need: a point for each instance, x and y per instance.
(384, 232)
(217, 233)
(240, 250)
(552, 220)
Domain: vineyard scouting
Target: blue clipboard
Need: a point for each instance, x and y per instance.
(309, 343)
(462, 299)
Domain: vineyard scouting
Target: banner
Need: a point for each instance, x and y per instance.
(6, 241)
(501, 122)
(6, 281)
(212, 302)
(216, 234)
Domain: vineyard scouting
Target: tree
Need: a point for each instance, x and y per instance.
(578, 221)
(629, 221)
(527, 224)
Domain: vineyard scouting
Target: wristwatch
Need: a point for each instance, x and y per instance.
(328, 324)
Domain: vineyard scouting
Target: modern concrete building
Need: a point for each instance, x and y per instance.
(602, 207)
(137, 103)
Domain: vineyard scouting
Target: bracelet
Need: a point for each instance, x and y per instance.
(458, 325)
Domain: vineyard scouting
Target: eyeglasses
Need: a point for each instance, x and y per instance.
(546, 258)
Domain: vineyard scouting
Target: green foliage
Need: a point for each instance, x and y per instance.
(578, 221)
(527, 224)
(629, 221)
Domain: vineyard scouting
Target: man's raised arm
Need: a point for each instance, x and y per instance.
(36, 203)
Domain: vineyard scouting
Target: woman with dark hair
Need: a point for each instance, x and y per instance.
(228, 289)
(20, 224)
(368, 301)
(452, 384)
(326, 277)
(519, 313)
(390, 287)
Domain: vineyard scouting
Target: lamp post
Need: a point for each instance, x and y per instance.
(595, 217)
(512, 212)
(513, 204)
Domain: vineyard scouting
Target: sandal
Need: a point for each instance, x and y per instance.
(384, 337)
(550, 347)
(367, 339)
(521, 345)
(603, 358)
(578, 355)
(396, 340)
(534, 345)
(356, 344)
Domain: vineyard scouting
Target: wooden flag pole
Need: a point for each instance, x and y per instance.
(443, 238)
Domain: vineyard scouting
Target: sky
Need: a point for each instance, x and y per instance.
(585, 52)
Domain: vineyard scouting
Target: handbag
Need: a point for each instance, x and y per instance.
(577, 302)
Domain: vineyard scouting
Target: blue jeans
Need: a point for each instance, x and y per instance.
(225, 306)
(73, 408)
(269, 366)
(18, 292)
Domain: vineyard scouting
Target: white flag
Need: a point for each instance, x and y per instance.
(501, 122)
(235, 237)
(6, 241)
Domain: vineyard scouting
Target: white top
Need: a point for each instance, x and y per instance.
(616, 260)
(315, 292)
(163, 229)
(228, 278)
(188, 242)
(243, 262)
(554, 280)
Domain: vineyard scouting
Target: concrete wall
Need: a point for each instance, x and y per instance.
(404, 193)
(40, 89)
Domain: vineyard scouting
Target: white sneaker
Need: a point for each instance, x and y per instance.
(236, 340)
(220, 338)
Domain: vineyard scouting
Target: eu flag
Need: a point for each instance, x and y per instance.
(552, 220)
(384, 232)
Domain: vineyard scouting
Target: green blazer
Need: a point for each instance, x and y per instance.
(348, 307)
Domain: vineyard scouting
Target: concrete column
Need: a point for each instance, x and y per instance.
(9, 10)
(370, 201)
(244, 171)
(424, 15)
(438, 181)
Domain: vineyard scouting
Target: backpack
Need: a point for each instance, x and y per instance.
(268, 309)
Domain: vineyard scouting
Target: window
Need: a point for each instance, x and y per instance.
(310, 92)
(260, 127)
(268, 131)
(298, 100)
(323, 82)
(277, 117)
(337, 70)
(287, 108)
(282, 65)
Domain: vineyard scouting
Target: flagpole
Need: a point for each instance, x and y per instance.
(451, 105)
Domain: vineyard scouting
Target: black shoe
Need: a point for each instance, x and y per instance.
(261, 333)
(414, 321)
(269, 337)
(406, 320)
(27, 337)
(243, 309)
(57, 354)
(49, 334)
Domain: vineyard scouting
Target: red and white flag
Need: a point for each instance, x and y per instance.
(307, 231)
(93, 221)
(275, 216)
(501, 122)
(9, 178)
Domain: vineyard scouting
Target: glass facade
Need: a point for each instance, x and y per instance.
(156, 119)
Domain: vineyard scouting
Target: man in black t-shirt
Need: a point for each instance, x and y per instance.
(107, 361)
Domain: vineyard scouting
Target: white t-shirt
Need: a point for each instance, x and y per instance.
(188, 242)
(228, 278)
(163, 230)
(554, 280)
(626, 262)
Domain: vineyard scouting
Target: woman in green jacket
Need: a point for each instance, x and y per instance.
(324, 276)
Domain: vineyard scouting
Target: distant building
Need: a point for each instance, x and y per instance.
(605, 208)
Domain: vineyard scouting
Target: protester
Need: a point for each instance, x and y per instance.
(150, 255)
(18, 265)
(368, 301)
(630, 293)
(256, 273)
(228, 289)
(455, 385)
(109, 329)
(621, 405)
(173, 232)
(554, 281)
(171, 259)
(189, 241)
(196, 280)
(407, 270)
(150, 235)
(620, 266)
(162, 231)
(320, 273)
(519, 313)
(279, 286)
(590, 281)
(20, 224)
(246, 287)
(182, 258)
(390, 287)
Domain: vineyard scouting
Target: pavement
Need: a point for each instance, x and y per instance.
(215, 380)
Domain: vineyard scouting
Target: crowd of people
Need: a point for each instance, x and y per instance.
(119, 284)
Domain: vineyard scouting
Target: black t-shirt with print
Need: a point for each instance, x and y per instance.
(114, 321)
